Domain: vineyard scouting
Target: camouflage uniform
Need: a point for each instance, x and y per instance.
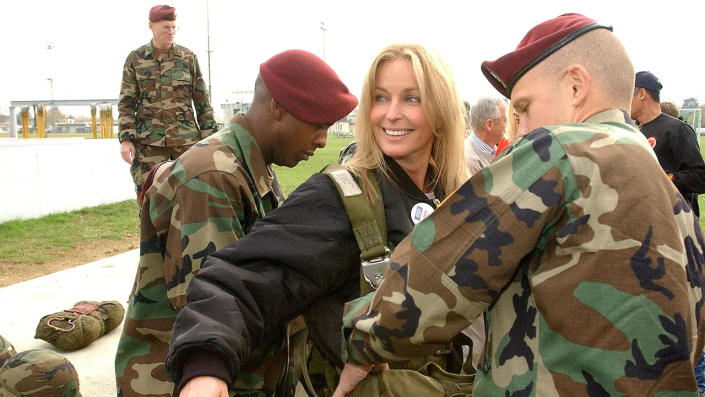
(155, 106)
(38, 373)
(6, 350)
(586, 256)
(203, 201)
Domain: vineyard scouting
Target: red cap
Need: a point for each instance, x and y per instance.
(162, 13)
(542, 40)
(307, 87)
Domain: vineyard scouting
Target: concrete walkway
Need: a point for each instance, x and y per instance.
(23, 304)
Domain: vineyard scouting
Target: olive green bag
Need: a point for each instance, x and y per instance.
(429, 381)
(80, 325)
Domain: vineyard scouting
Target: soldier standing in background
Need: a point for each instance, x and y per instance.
(160, 81)
(585, 256)
(210, 197)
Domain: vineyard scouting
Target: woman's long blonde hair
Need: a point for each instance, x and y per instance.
(441, 105)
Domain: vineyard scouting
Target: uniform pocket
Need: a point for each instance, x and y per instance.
(181, 82)
(146, 82)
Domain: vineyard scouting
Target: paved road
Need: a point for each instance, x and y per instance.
(25, 303)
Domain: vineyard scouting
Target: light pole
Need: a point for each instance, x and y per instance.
(50, 46)
(51, 89)
(208, 28)
(323, 36)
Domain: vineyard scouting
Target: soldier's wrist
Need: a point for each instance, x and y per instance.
(204, 363)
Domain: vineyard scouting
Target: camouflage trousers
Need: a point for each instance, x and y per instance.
(144, 344)
(147, 156)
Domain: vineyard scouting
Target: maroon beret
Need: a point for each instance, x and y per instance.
(162, 13)
(542, 40)
(307, 87)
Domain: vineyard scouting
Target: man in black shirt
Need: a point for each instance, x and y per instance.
(673, 141)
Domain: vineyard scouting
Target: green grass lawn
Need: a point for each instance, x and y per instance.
(701, 198)
(36, 240)
(290, 178)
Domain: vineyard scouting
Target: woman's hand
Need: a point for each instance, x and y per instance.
(205, 386)
(354, 374)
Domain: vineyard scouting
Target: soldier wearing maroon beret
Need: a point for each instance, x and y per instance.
(585, 259)
(211, 196)
(161, 85)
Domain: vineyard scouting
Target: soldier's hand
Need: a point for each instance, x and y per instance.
(354, 374)
(127, 151)
(205, 386)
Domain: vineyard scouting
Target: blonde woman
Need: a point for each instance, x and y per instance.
(303, 258)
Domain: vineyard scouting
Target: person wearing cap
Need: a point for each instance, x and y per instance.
(674, 142)
(161, 85)
(212, 195)
(586, 258)
(303, 258)
(38, 373)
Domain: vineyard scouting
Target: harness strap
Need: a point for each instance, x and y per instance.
(368, 226)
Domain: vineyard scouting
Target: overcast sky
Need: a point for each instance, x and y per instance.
(91, 40)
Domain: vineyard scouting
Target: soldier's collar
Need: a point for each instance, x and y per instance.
(150, 49)
(614, 115)
(174, 48)
(262, 175)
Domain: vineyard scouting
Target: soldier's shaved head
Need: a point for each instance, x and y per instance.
(605, 59)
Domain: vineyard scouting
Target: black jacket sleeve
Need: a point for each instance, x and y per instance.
(689, 177)
(297, 255)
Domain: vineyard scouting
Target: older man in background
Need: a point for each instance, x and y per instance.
(161, 85)
(488, 120)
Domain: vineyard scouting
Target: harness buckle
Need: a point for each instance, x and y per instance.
(373, 269)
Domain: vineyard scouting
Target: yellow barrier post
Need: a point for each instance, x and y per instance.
(93, 125)
(40, 120)
(102, 122)
(24, 117)
(110, 120)
(36, 119)
(105, 121)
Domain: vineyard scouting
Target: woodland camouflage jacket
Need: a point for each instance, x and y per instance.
(587, 259)
(206, 199)
(156, 98)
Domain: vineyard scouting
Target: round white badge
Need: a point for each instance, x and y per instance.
(420, 211)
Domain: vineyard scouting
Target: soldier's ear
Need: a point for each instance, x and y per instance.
(580, 83)
(276, 109)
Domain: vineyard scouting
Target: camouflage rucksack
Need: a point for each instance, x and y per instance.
(38, 373)
(419, 377)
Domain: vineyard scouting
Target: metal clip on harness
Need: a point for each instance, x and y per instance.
(373, 269)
